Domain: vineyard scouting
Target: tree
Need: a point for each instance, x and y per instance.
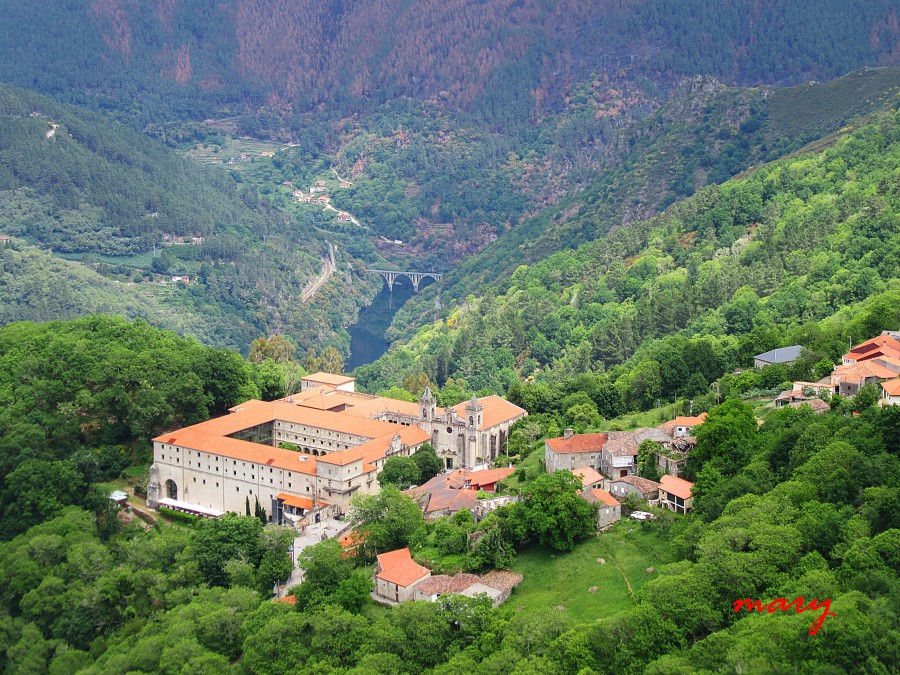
(724, 438)
(647, 454)
(219, 540)
(553, 511)
(430, 465)
(277, 348)
(275, 566)
(388, 520)
(399, 471)
(323, 565)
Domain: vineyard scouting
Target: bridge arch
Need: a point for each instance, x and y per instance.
(390, 276)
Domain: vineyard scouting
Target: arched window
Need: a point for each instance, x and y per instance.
(171, 489)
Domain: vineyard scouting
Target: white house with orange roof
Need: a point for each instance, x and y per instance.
(396, 575)
(609, 509)
(344, 438)
(676, 494)
(682, 425)
(890, 392)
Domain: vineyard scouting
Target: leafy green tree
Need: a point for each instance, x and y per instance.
(276, 348)
(388, 520)
(723, 439)
(430, 465)
(401, 472)
(219, 540)
(553, 512)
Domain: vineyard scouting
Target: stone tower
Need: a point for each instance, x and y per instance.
(427, 406)
(473, 414)
(153, 488)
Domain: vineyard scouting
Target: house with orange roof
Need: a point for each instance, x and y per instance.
(676, 494)
(849, 379)
(609, 509)
(396, 574)
(589, 476)
(890, 392)
(682, 425)
(571, 451)
(887, 344)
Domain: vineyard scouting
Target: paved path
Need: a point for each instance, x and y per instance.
(314, 533)
(323, 278)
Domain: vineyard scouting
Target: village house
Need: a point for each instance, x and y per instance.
(618, 457)
(571, 451)
(345, 217)
(780, 355)
(609, 510)
(890, 392)
(675, 494)
(344, 438)
(590, 477)
(885, 345)
(497, 585)
(4, 240)
(345, 184)
(450, 492)
(642, 488)
(871, 362)
(682, 426)
(396, 573)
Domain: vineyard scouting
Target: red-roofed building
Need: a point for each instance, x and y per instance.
(890, 392)
(609, 510)
(590, 477)
(676, 494)
(886, 344)
(571, 451)
(682, 425)
(395, 575)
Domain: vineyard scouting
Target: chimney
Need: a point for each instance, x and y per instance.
(567, 434)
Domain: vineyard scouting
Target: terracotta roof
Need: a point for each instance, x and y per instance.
(441, 584)
(645, 485)
(232, 448)
(867, 349)
(892, 387)
(676, 486)
(624, 445)
(588, 475)
(855, 373)
(817, 405)
(287, 600)
(495, 410)
(294, 500)
(577, 443)
(486, 476)
(683, 421)
(329, 378)
(600, 496)
(502, 580)
(398, 567)
(376, 449)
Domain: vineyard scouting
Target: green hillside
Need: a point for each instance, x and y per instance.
(666, 305)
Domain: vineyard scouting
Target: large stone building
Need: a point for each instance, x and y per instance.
(343, 439)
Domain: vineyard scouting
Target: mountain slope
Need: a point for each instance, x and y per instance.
(498, 58)
(735, 269)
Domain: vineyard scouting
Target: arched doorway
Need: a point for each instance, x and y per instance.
(171, 489)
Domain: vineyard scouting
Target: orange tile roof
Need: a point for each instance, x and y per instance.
(857, 372)
(645, 485)
(398, 567)
(577, 443)
(487, 476)
(287, 600)
(683, 421)
(588, 475)
(232, 448)
(676, 486)
(601, 496)
(376, 449)
(892, 387)
(441, 584)
(495, 410)
(868, 349)
(329, 378)
(299, 502)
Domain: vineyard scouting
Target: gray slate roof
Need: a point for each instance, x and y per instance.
(780, 355)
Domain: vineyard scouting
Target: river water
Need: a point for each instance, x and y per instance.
(367, 341)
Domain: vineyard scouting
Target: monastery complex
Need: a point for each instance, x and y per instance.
(343, 436)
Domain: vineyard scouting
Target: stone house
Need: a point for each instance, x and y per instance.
(643, 488)
(618, 457)
(676, 494)
(590, 477)
(396, 573)
(571, 451)
(609, 509)
(780, 355)
(682, 425)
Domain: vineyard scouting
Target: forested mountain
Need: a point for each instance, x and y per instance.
(735, 270)
(499, 59)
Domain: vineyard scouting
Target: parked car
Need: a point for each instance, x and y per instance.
(642, 515)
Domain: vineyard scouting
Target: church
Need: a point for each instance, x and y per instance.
(308, 454)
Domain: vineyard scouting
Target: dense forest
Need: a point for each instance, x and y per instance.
(665, 306)
(803, 506)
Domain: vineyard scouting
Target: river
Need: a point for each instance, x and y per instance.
(367, 341)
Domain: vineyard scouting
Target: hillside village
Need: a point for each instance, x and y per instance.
(305, 460)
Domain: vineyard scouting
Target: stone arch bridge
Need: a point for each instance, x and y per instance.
(390, 276)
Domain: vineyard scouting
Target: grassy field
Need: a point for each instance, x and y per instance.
(564, 581)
